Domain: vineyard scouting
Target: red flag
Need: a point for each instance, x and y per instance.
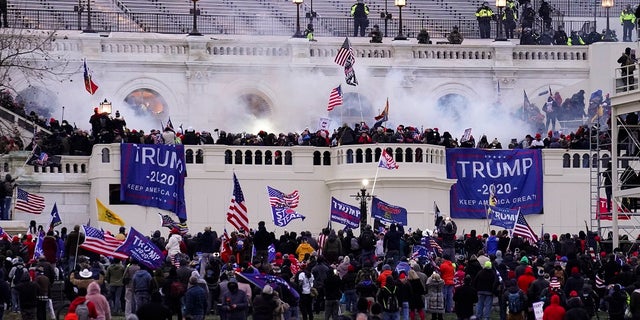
(225, 247)
(89, 85)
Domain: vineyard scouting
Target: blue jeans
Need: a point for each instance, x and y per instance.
(15, 300)
(292, 313)
(483, 308)
(331, 308)
(352, 300)
(405, 310)
(391, 315)
(447, 291)
(115, 297)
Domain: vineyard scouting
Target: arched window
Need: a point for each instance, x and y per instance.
(585, 160)
(238, 159)
(248, 157)
(368, 157)
(398, 155)
(188, 156)
(359, 157)
(288, 158)
(258, 157)
(419, 155)
(316, 158)
(228, 157)
(144, 102)
(268, 158)
(576, 161)
(566, 160)
(350, 156)
(200, 156)
(278, 156)
(408, 155)
(106, 157)
(326, 158)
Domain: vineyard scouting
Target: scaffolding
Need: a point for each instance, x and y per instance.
(614, 174)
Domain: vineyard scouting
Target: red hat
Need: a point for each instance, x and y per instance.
(461, 267)
(538, 136)
(95, 110)
(351, 268)
(603, 254)
(575, 270)
(402, 276)
(554, 237)
(573, 293)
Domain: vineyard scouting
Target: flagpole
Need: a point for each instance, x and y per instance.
(375, 178)
(360, 105)
(512, 229)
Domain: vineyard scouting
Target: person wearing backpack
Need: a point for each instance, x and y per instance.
(388, 298)
(141, 287)
(27, 292)
(515, 300)
(81, 308)
(15, 275)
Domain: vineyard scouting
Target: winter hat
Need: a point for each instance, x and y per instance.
(575, 270)
(386, 267)
(487, 265)
(554, 283)
(524, 260)
(573, 293)
(267, 290)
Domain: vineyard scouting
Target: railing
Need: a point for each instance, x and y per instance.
(254, 24)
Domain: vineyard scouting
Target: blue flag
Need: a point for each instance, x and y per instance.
(388, 213)
(142, 249)
(282, 206)
(419, 251)
(260, 280)
(55, 216)
(503, 217)
(38, 252)
(271, 253)
(345, 214)
(152, 175)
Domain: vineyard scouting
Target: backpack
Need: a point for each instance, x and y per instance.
(17, 276)
(176, 290)
(82, 311)
(508, 13)
(354, 244)
(515, 302)
(390, 302)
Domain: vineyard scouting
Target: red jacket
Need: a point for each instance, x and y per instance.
(93, 313)
(554, 311)
(447, 271)
(525, 280)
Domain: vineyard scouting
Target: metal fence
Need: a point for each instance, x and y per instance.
(244, 24)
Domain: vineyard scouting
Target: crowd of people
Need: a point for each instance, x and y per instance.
(377, 274)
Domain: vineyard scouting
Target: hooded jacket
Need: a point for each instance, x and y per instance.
(554, 311)
(99, 301)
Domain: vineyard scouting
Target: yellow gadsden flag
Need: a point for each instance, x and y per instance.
(106, 215)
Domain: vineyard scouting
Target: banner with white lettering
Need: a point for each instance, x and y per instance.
(388, 213)
(152, 175)
(503, 217)
(345, 214)
(137, 246)
(514, 176)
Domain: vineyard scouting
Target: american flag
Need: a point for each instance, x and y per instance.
(335, 98)
(523, 229)
(100, 242)
(237, 214)
(347, 59)
(277, 198)
(168, 222)
(431, 244)
(29, 202)
(386, 161)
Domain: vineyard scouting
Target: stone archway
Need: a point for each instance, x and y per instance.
(144, 102)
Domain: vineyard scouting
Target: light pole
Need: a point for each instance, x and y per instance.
(400, 4)
(500, 4)
(196, 12)
(105, 106)
(363, 197)
(89, 29)
(298, 34)
(311, 14)
(386, 16)
(606, 4)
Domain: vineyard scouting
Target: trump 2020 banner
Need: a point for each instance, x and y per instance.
(345, 214)
(388, 213)
(514, 177)
(152, 175)
(142, 249)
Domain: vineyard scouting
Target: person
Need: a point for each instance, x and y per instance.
(3, 13)
(435, 296)
(455, 37)
(114, 278)
(528, 16)
(560, 37)
(528, 37)
(628, 22)
(575, 39)
(509, 18)
(375, 34)
(545, 14)
(593, 36)
(388, 297)
(465, 297)
(423, 37)
(308, 33)
(195, 301)
(485, 282)
(554, 311)
(264, 304)
(141, 284)
(80, 300)
(627, 68)
(551, 108)
(360, 13)
(484, 15)
(6, 194)
(129, 300)
(99, 301)
(235, 302)
(617, 302)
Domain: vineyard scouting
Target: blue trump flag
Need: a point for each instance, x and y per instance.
(38, 251)
(503, 217)
(152, 175)
(388, 213)
(282, 206)
(260, 280)
(345, 214)
(142, 249)
(513, 176)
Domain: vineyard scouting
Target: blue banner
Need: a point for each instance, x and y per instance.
(503, 217)
(152, 175)
(345, 214)
(388, 213)
(513, 176)
(142, 249)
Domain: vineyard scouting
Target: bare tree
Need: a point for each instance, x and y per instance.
(31, 56)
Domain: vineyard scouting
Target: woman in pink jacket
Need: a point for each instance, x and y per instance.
(99, 301)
